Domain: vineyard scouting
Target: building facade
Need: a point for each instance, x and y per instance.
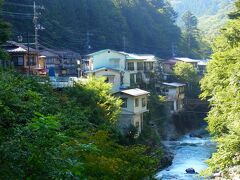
(133, 107)
(175, 94)
(122, 70)
(24, 59)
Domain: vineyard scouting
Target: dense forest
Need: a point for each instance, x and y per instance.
(89, 25)
(212, 14)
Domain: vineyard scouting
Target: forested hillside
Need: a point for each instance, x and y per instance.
(138, 25)
(212, 14)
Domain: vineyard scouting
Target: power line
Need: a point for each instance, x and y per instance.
(14, 13)
(16, 4)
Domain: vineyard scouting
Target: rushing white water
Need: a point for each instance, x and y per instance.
(189, 152)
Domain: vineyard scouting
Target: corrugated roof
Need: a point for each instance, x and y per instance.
(135, 92)
(187, 60)
(145, 57)
(17, 50)
(174, 84)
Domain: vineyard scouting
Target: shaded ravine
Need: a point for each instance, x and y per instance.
(189, 152)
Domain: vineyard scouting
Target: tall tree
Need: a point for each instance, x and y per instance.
(221, 87)
(190, 30)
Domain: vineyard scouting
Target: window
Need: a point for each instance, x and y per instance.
(151, 66)
(181, 89)
(137, 125)
(140, 66)
(148, 66)
(109, 79)
(165, 90)
(132, 79)
(32, 61)
(147, 75)
(124, 104)
(131, 66)
(136, 102)
(139, 78)
(143, 102)
(18, 60)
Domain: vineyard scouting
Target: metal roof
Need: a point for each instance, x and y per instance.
(187, 60)
(174, 84)
(203, 62)
(17, 50)
(145, 57)
(135, 92)
(12, 44)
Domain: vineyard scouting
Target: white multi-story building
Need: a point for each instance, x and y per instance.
(122, 70)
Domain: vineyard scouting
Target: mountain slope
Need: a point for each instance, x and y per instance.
(89, 25)
(212, 14)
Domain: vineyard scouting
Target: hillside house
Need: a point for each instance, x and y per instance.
(111, 65)
(201, 67)
(168, 66)
(122, 69)
(50, 60)
(20, 59)
(68, 62)
(133, 107)
(175, 94)
(194, 62)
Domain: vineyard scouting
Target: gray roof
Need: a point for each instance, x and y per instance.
(47, 53)
(174, 84)
(12, 45)
(135, 92)
(187, 60)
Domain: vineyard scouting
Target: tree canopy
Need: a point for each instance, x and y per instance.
(185, 72)
(221, 87)
(70, 134)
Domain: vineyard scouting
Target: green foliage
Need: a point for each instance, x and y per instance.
(185, 72)
(221, 87)
(71, 134)
(4, 34)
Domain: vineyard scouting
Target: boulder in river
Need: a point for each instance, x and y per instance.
(190, 171)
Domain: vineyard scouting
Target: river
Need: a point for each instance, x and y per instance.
(189, 152)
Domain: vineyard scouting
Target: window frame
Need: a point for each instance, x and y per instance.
(130, 67)
(136, 102)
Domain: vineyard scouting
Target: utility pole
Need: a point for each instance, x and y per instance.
(124, 43)
(173, 50)
(88, 45)
(37, 26)
(35, 22)
(28, 56)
